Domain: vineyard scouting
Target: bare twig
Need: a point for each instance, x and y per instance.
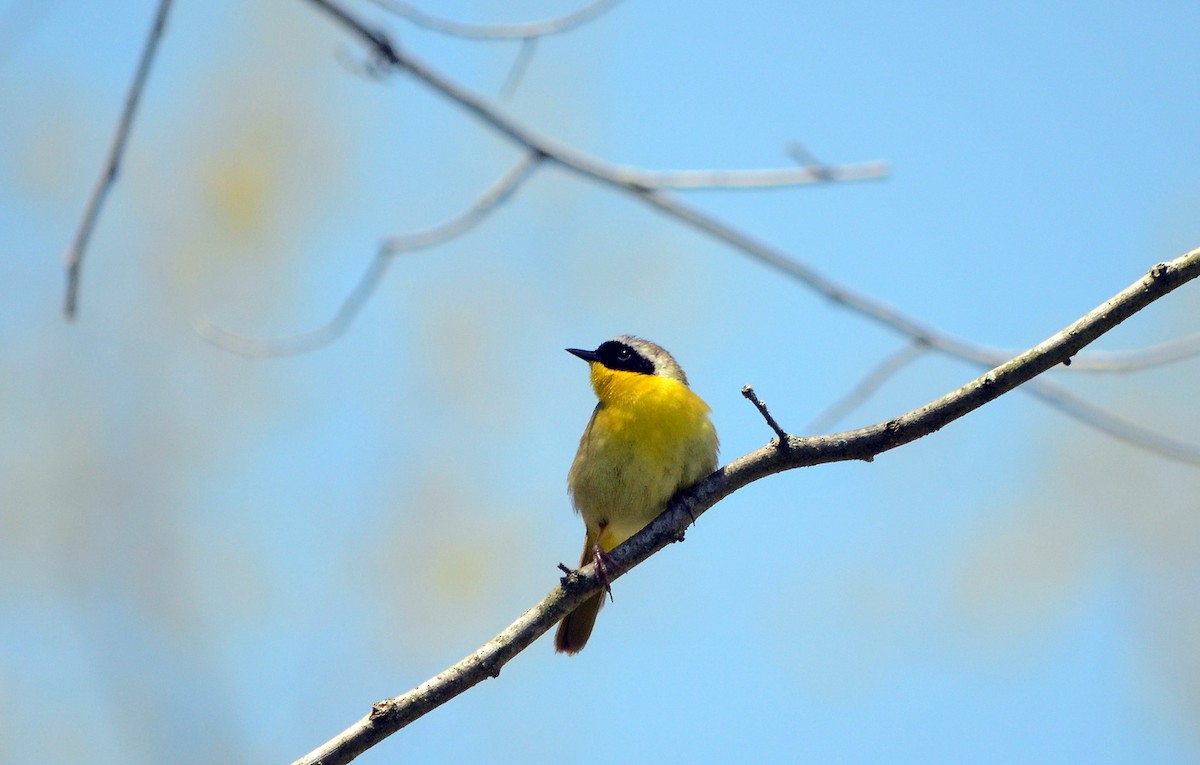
(524, 31)
(74, 255)
(388, 716)
(752, 397)
(838, 293)
(254, 347)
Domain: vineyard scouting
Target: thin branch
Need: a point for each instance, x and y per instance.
(525, 31)
(255, 347)
(752, 397)
(867, 386)
(74, 255)
(388, 716)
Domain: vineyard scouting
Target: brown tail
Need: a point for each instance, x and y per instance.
(576, 627)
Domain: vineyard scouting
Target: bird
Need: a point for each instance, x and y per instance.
(649, 437)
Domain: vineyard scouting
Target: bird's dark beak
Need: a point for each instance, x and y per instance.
(585, 355)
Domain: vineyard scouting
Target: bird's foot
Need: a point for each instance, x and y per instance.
(603, 561)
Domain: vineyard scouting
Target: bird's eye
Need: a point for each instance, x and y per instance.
(624, 354)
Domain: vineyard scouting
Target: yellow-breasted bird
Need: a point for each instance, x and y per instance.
(649, 437)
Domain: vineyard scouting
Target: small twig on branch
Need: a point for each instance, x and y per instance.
(752, 397)
(254, 347)
(625, 178)
(74, 254)
(387, 717)
(803, 157)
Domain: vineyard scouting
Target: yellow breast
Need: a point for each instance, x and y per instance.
(649, 437)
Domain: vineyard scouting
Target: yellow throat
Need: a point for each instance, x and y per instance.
(649, 437)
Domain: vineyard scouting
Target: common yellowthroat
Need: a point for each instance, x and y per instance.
(649, 437)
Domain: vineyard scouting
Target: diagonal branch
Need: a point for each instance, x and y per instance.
(74, 254)
(388, 716)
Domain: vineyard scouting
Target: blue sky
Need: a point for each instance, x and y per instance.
(207, 557)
